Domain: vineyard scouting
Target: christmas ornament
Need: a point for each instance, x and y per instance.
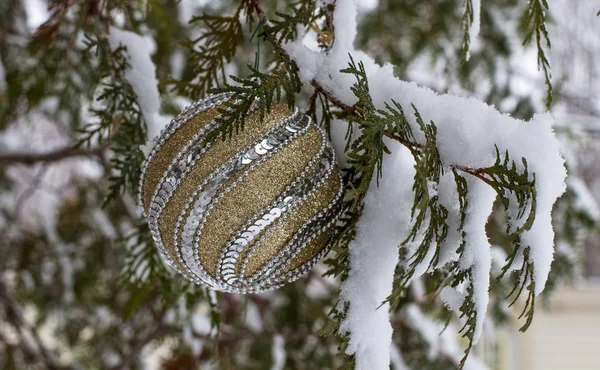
(245, 214)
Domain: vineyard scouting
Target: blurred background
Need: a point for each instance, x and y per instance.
(81, 286)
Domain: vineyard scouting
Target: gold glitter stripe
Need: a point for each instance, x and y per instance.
(215, 156)
(163, 157)
(309, 251)
(282, 234)
(244, 252)
(254, 192)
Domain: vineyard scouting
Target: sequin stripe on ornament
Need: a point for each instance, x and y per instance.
(181, 119)
(184, 161)
(316, 173)
(302, 187)
(170, 181)
(281, 142)
(285, 277)
(275, 281)
(205, 196)
(305, 234)
(210, 185)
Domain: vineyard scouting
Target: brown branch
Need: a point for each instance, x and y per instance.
(54, 156)
(349, 110)
(352, 110)
(15, 318)
(413, 146)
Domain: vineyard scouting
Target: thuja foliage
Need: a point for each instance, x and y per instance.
(534, 23)
(126, 301)
(429, 217)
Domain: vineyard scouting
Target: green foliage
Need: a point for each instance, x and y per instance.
(210, 52)
(260, 90)
(120, 121)
(143, 271)
(429, 227)
(285, 26)
(425, 206)
(467, 23)
(535, 23)
(125, 279)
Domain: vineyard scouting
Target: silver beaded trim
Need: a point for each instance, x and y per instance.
(210, 192)
(181, 119)
(298, 192)
(204, 201)
(321, 222)
(183, 162)
(277, 280)
(310, 230)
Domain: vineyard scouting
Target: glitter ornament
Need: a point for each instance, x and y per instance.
(245, 214)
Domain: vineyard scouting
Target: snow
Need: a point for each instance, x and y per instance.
(584, 200)
(37, 13)
(397, 360)
(477, 253)
(278, 351)
(467, 132)
(440, 342)
(142, 77)
(254, 320)
(373, 259)
(474, 27)
(2, 78)
(40, 190)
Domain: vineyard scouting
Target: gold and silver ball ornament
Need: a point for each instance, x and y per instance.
(245, 214)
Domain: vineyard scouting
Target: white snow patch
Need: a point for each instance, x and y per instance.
(467, 132)
(2, 78)
(278, 352)
(475, 27)
(397, 360)
(142, 77)
(373, 258)
(37, 13)
(441, 342)
(40, 190)
(584, 200)
(254, 320)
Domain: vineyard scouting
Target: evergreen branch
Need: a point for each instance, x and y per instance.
(467, 23)
(426, 207)
(120, 119)
(468, 311)
(511, 183)
(260, 90)
(285, 26)
(211, 51)
(143, 272)
(535, 23)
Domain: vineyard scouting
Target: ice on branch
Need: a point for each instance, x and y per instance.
(490, 154)
(141, 75)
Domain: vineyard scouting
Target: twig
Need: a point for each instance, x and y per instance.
(350, 110)
(15, 318)
(158, 332)
(54, 156)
